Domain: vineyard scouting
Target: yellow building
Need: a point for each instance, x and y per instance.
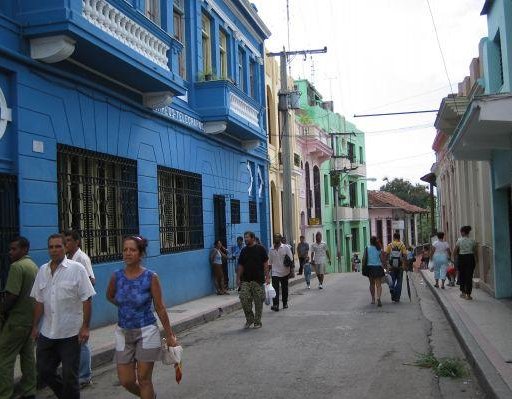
(274, 132)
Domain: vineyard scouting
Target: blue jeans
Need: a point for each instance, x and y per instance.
(397, 275)
(307, 273)
(85, 373)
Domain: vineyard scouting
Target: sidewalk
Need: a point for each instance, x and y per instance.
(183, 317)
(483, 327)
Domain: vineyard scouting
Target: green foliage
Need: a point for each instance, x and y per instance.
(444, 367)
(414, 194)
(426, 360)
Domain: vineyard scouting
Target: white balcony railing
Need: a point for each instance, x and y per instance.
(344, 213)
(243, 109)
(360, 171)
(114, 22)
(360, 213)
(341, 163)
(347, 213)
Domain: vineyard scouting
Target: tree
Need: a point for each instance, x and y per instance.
(414, 194)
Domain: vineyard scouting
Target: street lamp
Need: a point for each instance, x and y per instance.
(336, 200)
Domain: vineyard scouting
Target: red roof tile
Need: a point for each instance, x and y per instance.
(384, 199)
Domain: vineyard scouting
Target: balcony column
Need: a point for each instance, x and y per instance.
(215, 47)
(166, 12)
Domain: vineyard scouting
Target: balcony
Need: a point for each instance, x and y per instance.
(359, 171)
(341, 163)
(344, 213)
(348, 213)
(108, 38)
(314, 141)
(360, 213)
(225, 108)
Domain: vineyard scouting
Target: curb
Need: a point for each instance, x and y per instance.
(492, 382)
(105, 355)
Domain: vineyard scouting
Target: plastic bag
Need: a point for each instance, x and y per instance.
(171, 354)
(431, 266)
(270, 293)
(388, 279)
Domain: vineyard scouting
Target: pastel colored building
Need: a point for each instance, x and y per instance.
(474, 150)
(390, 214)
(341, 175)
(133, 117)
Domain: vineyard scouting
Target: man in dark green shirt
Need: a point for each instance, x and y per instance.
(17, 311)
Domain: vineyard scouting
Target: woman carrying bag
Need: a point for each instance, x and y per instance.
(372, 268)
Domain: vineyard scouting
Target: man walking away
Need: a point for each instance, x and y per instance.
(319, 256)
(396, 256)
(280, 271)
(62, 313)
(251, 274)
(302, 252)
(17, 311)
(73, 241)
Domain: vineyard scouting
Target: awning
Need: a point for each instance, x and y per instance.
(486, 126)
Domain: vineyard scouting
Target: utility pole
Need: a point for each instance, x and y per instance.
(288, 100)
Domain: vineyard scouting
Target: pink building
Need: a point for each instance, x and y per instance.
(390, 214)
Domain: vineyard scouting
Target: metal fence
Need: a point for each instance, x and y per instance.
(9, 222)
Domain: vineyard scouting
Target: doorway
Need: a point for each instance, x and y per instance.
(219, 218)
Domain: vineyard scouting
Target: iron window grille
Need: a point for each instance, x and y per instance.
(9, 222)
(235, 211)
(98, 197)
(180, 197)
(253, 212)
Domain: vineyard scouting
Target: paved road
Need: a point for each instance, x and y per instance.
(330, 343)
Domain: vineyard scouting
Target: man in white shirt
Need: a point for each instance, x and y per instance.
(74, 252)
(62, 313)
(319, 257)
(280, 271)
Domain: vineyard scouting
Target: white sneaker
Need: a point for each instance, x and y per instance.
(308, 286)
(320, 286)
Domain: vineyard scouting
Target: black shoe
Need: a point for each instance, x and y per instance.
(275, 308)
(285, 306)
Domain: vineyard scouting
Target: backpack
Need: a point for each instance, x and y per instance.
(395, 257)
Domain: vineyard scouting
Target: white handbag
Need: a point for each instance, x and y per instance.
(171, 354)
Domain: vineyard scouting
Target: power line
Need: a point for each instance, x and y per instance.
(442, 54)
(395, 113)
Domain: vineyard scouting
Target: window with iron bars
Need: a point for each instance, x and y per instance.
(180, 197)
(98, 197)
(235, 211)
(9, 223)
(253, 212)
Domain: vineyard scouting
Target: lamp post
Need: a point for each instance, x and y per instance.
(336, 199)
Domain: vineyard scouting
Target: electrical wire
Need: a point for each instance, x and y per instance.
(442, 54)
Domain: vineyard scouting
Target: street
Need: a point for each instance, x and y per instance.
(330, 343)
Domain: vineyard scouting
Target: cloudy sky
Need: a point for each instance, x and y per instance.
(383, 56)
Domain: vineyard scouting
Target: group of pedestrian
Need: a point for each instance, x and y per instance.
(396, 258)
(256, 267)
(464, 256)
(51, 307)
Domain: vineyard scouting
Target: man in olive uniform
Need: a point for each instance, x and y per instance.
(17, 311)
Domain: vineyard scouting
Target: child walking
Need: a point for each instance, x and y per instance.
(307, 272)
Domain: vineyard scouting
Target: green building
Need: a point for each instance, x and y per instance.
(342, 185)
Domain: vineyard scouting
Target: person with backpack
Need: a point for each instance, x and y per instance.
(396, 258)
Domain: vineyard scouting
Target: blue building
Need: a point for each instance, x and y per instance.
(485, 134)
(128, 117)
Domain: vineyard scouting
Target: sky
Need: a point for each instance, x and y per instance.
(382, 56)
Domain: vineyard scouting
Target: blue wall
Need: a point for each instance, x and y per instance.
(51, 107)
